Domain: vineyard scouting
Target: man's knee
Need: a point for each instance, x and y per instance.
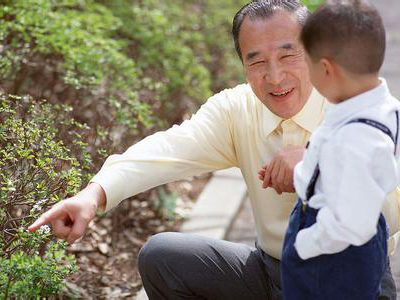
(155, 250)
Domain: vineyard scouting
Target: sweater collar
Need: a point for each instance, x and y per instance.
(308, 118)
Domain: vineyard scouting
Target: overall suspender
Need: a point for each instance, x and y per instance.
(311, 185)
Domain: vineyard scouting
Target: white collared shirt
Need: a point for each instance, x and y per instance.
(358, 169)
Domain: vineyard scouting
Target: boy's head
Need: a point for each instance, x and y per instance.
(344, 40)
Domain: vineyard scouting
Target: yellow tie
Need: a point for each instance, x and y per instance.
(292, 134)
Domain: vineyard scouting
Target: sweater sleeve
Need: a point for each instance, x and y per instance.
(201, 144)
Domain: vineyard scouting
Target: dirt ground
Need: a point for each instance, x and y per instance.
(107, 255)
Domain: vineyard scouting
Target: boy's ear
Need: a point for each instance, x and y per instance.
(328, 67)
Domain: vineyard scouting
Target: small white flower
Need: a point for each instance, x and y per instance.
(40, 202)
(37, 207)
(44, 229)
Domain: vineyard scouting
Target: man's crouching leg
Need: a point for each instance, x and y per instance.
(388, 286)
(184, 266)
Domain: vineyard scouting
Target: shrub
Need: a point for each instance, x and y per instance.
(37, 169)
(183, 51)
(31, 276)
(65, 51)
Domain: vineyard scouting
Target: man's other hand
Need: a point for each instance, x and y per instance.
(278, 174)
(70, 217)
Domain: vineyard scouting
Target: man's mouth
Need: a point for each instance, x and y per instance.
(282, 94)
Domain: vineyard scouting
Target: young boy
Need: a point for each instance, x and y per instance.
(335, 245)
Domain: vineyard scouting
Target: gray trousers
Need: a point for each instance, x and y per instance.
(185, 266)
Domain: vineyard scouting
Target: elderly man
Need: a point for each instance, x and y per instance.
(266, 122)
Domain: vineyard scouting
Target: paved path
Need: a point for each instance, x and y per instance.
(242, 229)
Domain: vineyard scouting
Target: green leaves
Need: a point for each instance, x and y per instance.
(312, 4)
(26, 276)
(72, 40)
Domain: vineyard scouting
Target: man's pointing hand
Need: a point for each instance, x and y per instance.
(70, 217)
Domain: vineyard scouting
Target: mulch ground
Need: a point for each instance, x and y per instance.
(107, 255)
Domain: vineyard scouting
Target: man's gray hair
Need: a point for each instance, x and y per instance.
(264, 9)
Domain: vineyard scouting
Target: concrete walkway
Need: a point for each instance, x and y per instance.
(243, 228)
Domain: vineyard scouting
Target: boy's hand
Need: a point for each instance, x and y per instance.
(278, 174)
(261, 173)
(70, 217)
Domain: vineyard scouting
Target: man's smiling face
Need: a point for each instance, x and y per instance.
(274, 62)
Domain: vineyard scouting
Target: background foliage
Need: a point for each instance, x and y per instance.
(312, 4)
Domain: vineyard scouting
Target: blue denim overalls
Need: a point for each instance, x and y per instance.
(352, 274)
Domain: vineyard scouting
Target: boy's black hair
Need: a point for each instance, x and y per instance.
(350, 32)
(264, 9)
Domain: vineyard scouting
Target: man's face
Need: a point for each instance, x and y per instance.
(274, 62)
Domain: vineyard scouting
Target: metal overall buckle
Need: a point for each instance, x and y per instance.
(304, 205)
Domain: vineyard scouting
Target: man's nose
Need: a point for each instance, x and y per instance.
(274, 74)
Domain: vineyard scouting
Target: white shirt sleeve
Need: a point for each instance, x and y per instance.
(358, 169)
(201, 144)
